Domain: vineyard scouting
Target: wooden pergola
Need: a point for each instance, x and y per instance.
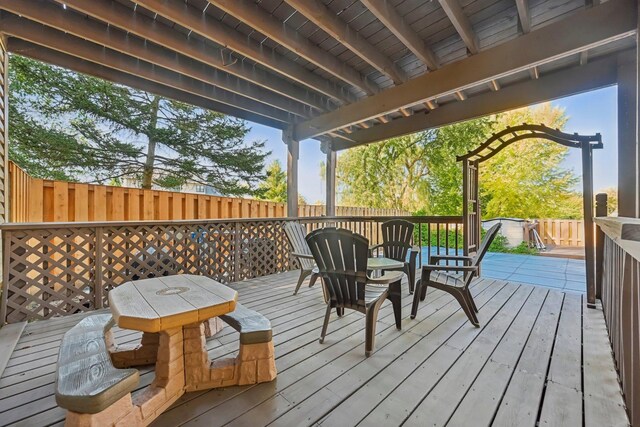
(343, 72)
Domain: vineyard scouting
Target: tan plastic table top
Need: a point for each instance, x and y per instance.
(161, 303)
(382, 263)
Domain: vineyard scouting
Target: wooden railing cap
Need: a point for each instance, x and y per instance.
(624, 231)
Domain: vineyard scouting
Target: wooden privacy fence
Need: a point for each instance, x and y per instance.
(38, 200)
(618, 287)
(561, 232)
(63, 268)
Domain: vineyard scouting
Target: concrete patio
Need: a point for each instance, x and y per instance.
(558, 273)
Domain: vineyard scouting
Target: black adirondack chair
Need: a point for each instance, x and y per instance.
(440, 277)
(396, 244)
(341, 256)
(296, 233)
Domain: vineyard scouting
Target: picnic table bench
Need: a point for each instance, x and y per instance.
(172, 313)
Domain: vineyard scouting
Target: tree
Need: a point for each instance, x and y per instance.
(390, 174)
(274, 186)
(421, 173)
(66, 125)
(527, 179)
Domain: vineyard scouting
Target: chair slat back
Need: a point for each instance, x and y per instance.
(482, 250)
(341, 256)
(396, 238)
(296, 234)
(486, 242)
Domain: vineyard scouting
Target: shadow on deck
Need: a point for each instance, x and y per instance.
(539, 356)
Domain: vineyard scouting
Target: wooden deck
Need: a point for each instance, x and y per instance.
(540, 356)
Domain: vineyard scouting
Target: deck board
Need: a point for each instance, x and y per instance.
(523, 365)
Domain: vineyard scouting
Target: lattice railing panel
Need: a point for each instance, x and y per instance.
(59, 269)
(264, 249)
(49, 272)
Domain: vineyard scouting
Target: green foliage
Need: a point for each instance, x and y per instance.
(274, 187)
(390, 174)
(65, 125)
(420, 172)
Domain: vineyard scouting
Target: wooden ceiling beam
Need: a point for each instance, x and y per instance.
(557, 40)
(387, 14)
(257, 18)
(524, 16)
(462, 25)
(597, 74)
(50, 56)
(66, 43)
(327, 20)
(208, 27)
(142, 26)
(49, 14)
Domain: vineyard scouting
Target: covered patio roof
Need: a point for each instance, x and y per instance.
(346, 72)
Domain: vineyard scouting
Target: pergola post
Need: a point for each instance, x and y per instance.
(589, 238)
(330, 171)
(293, 148)
(628, 135)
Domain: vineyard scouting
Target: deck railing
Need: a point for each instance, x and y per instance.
(53, 269)
(618, 287)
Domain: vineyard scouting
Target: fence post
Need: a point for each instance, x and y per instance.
(601, 210)
(6, 238)
(99, 282)
(236, 251)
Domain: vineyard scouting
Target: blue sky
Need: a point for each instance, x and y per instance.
(588, 113)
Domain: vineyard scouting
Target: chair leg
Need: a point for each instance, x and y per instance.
(340, 311)
(370, 328)
(421, 288)
(313, 279)
(395, 296)
(325, 324)
(470, 300)
(303, 275)
(458, 295)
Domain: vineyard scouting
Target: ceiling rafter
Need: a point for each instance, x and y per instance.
(48, 14)
(210, 28)
(462, 24)
(561, 83)
(121, 17)
(539, 47)
(387, 14)
(523, 15)
(257, 18)
(76, 64)
(319, 14)
(71, 45)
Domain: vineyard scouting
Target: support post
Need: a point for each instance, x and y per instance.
(601, 210)
(587, 199)
(331, 182)
(628, 135)
(293, 147)
(4, 143)
(465, 207)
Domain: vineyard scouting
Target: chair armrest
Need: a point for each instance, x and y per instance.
(302, 255)
(372, 247)
(415, 249)
(389, 277)
(438, 267)
(435, 259)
